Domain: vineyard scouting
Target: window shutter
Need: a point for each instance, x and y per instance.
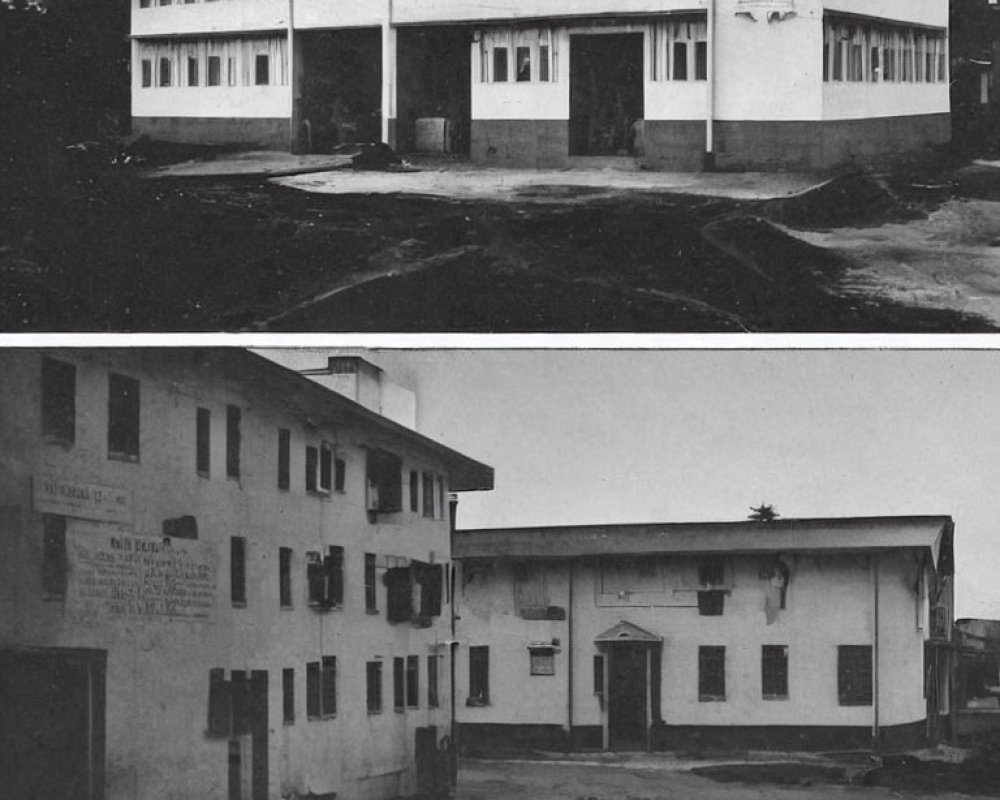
(335, 576)
(218, 703)
(316, 578)
(400, 594)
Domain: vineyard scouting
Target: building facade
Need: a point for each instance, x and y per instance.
(793, 634)
(674, 84)
(220, 579)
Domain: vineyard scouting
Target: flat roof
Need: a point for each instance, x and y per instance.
(846, 534)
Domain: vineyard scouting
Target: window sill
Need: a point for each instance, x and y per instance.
(239, 603)
(477, 703)
(205, 475)
(287, 608)
(131, 459)
(58, 441)
(288, 722)
(711, 698)
(372, 612)
(774, 697)
(855, 703)
(374, 712)
(399, 710)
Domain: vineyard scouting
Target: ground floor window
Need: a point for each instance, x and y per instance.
(854, 674)
(711, 673)
(479, 676)
(678, 49)
(774, 672)
(249, 61)
(855, 52)
(519, 55)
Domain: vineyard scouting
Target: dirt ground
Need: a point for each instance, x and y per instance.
(502, 780)
(111, 251)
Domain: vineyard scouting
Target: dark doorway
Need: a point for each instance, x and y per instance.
(258, 732)
(605, 93)
(52, 724)
(341, 80)
(628, 697)
(434, 81)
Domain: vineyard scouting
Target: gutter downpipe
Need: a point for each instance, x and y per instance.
(569, 663)
(876, 733)
(292, 126)
(453, 646)
(708, 162)
(388, 74)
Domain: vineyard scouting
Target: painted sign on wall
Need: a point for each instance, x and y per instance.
(78, 499)
(765, 7)
(116, 575)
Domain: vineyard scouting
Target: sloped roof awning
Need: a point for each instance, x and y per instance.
(626, 631)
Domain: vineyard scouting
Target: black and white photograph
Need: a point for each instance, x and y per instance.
(369, 573)
(567, 166)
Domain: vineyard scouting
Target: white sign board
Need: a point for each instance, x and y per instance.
(765, 6)
(77, 499)
(117, 575)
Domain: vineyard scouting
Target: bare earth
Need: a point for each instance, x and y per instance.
(519, 780)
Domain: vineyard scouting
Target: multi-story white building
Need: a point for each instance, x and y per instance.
(219, 579)
(793, 634)
(661, 83)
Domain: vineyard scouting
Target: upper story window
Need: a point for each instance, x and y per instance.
(384, 475)
(711, 586)
(479, 676)
(58, 401)
(858, 52)
(234, 440)
(325, 577)
(284, 458)
(428, 494)
(339, 475)
(238, 570)
(123, 417)
(203, 443)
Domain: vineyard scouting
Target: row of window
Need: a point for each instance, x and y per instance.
(519, 56)
(235, 61)
(679, 50)
(414, 591)
(325, 472)
(858, 52)
(231, 706)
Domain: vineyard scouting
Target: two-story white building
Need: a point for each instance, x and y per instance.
(795, 634)
(219, 579)
(673, 84)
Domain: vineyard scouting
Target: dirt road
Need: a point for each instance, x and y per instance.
(499, 780)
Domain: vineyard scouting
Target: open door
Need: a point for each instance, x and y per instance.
(633, 657)
(605, 93)
(52, 724)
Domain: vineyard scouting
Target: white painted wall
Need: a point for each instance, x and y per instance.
(848, 100)
(339, 13)
(222, 16)
(157, 670)
(922, 12)
(830, 602)
(408, 12)
(255, 102)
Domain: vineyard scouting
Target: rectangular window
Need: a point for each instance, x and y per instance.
(288, 695)
(54, 566)
(414, 490)
(432, 682)
(854, 674)
(334, 563)
(285, 576)
(542, 661)
(339, 474)
(192, 71)
(373, 674)
(261, 69)
(233, 441)
(440, 497)
(384, 474)
(543, 63)
(523, 56)
(413, 681)
(312, 459)
(325, 468)
(312, 690)
(398, 684)
(147, 73)
(58, 401)
(599, 675)
(123, 417)
(284, 458)
(203, 446)
(219, 703)
(238, 570)
(499, 64)
(214, 71)
(875, 65)
(165, 72)
(680, 65)
(399, 594)
(371, 592)
(428, 494)
(479, 676)
(774, 672)
(328, 682)
(701, 61)
(144, 3)
(711, 673)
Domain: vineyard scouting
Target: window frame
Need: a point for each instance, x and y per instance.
(413, 681)
(284, 459)
(234, 441)
(774, 672)
(285, 577)
(203, 442)
(373, 686)
(711, 657)
(238, 571)
(399, 684)
(479, 676)
(371, 583)
(288, 696)
(124, 418)
(433, 692)
(854, 661)
(58, 401)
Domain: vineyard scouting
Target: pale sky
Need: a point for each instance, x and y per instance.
(602, 436)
